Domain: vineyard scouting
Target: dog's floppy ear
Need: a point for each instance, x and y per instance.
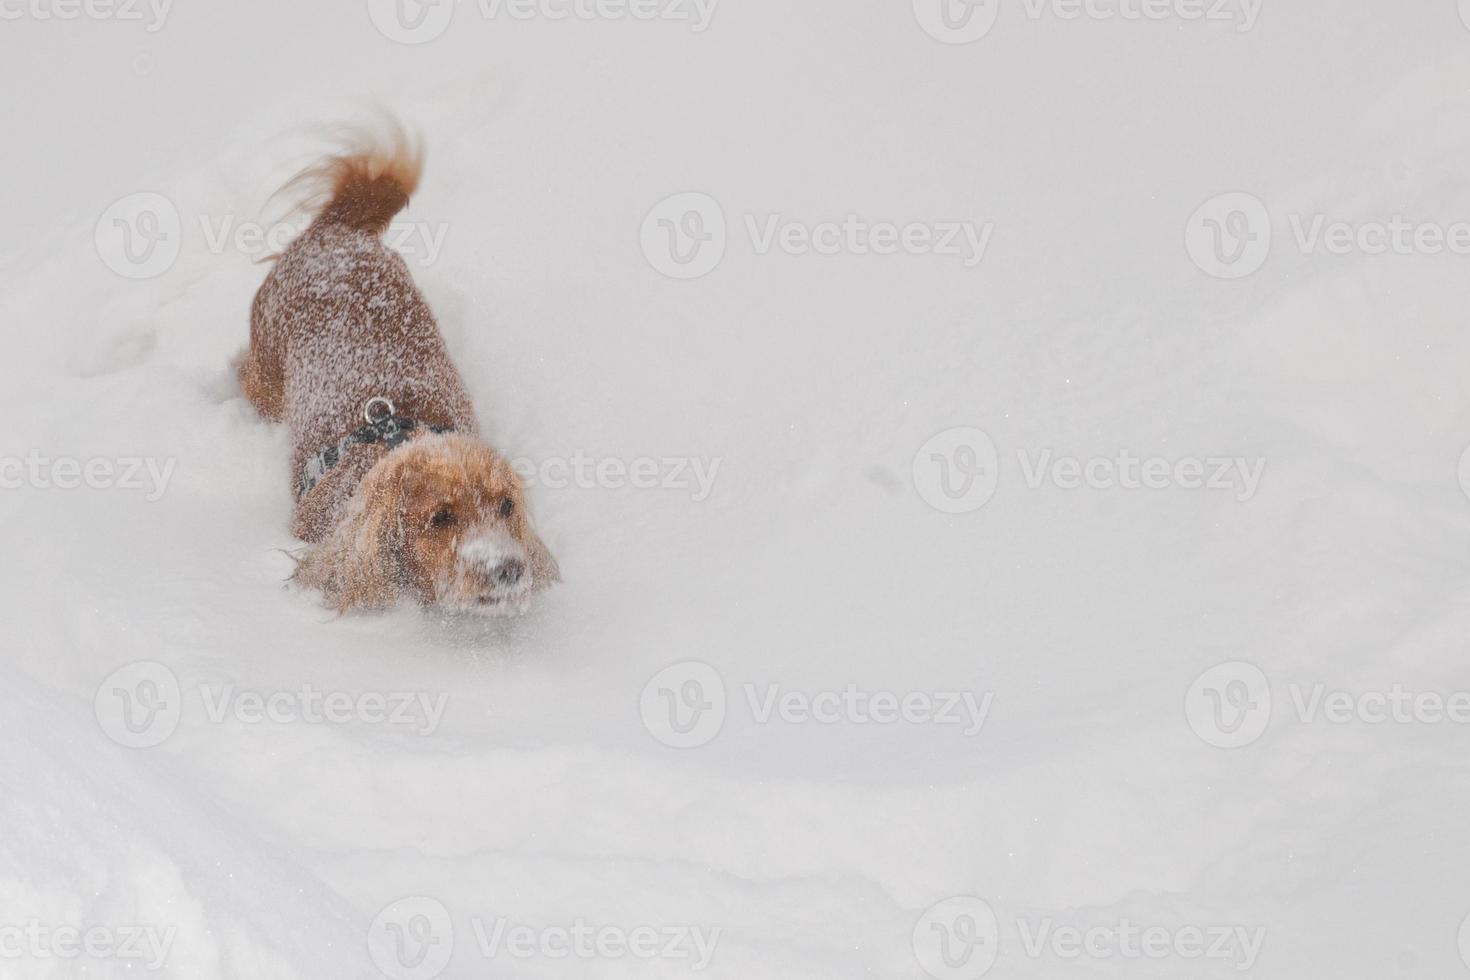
(545, 572)
(357, 563)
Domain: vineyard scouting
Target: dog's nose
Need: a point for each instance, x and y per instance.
(508, 572)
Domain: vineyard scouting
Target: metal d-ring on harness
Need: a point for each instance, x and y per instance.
(384, 425)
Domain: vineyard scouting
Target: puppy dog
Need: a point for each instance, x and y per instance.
(396, 493)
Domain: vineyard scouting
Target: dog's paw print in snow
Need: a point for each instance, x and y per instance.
(124, 349)
(123, 333)
(884, 479)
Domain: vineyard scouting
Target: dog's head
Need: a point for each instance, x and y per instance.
(441, 519)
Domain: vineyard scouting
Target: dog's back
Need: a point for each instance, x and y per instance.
(339, 321)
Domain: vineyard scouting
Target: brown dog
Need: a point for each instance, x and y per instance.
(395, 491)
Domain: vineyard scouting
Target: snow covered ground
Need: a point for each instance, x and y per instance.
(1078, 590)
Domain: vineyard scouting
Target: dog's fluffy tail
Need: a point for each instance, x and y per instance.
(367, 181)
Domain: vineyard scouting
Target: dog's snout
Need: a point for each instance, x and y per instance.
(508, 572)
(496, 567)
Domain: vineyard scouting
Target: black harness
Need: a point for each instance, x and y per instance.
(384, 425)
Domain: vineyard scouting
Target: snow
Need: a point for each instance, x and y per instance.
(299, 806)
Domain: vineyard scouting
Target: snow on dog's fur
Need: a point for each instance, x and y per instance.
(339, 322)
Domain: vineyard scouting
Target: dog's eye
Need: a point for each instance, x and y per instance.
(443, 517)
(506, 506)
